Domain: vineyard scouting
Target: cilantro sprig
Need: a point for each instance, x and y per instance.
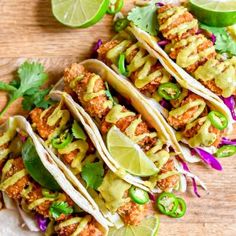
(58, 208)
(93, 174)
(31, 76)
(224, 42)
(145, 18)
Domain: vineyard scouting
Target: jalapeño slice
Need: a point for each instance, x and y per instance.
(218, 120)
(226, 151)
(121, 24)
(63, 140)
(167, 203)
(181, 209)
(115, 6)
(138, 195)
(169, 91)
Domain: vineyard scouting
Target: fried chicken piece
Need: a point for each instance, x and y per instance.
(14, 191)
(170, 182)
(192, 52)
(176, 22)
(133, 213)
(95, 106)
(179, 122)
(42, 127)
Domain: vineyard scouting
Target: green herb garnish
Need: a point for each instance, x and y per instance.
(93, 174)
(58, 208)
(77, 131)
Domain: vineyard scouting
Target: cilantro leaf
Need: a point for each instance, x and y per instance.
(145, 18)
(36, 98)
(224, 42)
(108, 93)
(93, 174)
(58, 208)
(30, 77)
(77, 131)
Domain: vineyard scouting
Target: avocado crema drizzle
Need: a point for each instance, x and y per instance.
(18, 185)
(196, 53)
(78, 153)
(130, 123)
(188, 112)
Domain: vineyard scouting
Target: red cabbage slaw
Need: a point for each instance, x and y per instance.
(42, 222)
(231, 104)
(208, 158)
(226, 141)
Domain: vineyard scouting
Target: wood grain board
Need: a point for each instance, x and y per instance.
(28, 30)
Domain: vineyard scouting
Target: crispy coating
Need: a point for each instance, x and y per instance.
(133, 213)
(210, 84)
(68, 158)
(14, 191)
(42, 127)
(95, 106)
(169, 19)
(170, 182)
(102, 51)
(180, 121)
(198, 51)
(91, 229)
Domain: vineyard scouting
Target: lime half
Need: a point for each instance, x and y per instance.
(148, 227)
(217, 13)
(128, 154)
(79, 13)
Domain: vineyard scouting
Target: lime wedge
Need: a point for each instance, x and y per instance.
(148, 227)
(35, 167)
(79, 13)
(128, 154)
(217, 13)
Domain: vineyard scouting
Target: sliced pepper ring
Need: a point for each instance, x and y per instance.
(138, 195)
(115, 6)
(167, 203)
(121, 65)
(218, 120)
(169, 91)
(63, 140)
(181, 208)
(226, 151)
(121, 24)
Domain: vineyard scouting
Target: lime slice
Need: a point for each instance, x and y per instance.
(217, 13)
(79, 13)
(148, 227)
(35, 167)
(128, 154)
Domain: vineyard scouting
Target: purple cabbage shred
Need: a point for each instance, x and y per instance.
(213, 38)
(165, 104)
(42, 222)
(195, 188)
(96, 47)
(208, 159)
(163, 43)
(152, 197)
(231, 104)
(160, 4)
(226, 141)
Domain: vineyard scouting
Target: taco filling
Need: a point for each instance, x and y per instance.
(79, 154)
(58, 213)
(113, 110)
(188, 112)
(194, 52)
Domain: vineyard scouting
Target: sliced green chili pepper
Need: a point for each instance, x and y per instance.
(169, 91)
(121, 24)
(121, 65)
(115, 6)
(226, 151)
(167, 203)
(46, 193)
(181, 209)
(63, 140)
(138, 195)
(218, 120)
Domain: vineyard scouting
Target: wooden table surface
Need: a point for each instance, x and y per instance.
(28, 30)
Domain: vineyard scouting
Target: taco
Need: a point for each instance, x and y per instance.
(31, 180)
(193, 51)
(112, 107)
(83, 161)
(197, 119)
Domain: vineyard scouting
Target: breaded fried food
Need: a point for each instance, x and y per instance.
(14, 170)
(176, 22)
(192, 52)
(89, 88)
